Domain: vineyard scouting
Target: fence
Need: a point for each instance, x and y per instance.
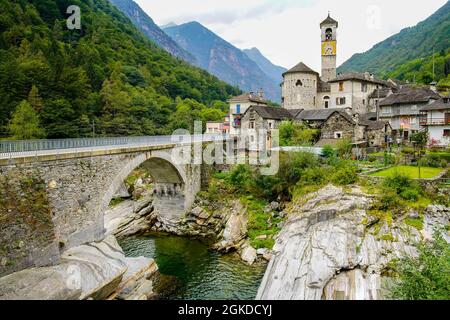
(9, 149)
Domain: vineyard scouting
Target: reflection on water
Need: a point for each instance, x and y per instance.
(201, 273)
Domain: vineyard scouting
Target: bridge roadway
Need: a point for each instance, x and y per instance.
(65, 148)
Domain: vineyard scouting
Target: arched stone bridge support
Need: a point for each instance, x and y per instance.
(77, 189)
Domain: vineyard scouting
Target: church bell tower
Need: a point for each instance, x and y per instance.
(328, 29)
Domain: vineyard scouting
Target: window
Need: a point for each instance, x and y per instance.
(270, 125)
(252, 138)
(328, 34)
(413, 120)
(314, 101)
(338, 135)
(364, 87)
(299, 83)
(341, 86)
(446, 133)
(251, 125)
(340, 101)
(364, 102)
(326, 104)
(386, 110)
(238, 109)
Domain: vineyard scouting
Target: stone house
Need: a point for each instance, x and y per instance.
(262, 119)
(436, 119)
(239, 105)
(402, 109)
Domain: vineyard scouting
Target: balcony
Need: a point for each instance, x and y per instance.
(435, 121)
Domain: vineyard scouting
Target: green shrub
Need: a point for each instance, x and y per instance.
(328, 151)
(402, 185)
(344, 148)
(433, 160)
(345, 174)
(426, 277)
(410, 194)
(240, 178)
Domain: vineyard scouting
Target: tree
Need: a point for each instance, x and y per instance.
(34, 99)
(420, 140)
(25, 123)
(426, 277)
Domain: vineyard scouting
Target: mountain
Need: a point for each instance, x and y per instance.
(222, 59)
(147, 26)
(108, 73)
(273, 71)
(409, 44)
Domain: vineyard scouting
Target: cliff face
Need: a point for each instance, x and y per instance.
(333, 248)
(223, 60)
(147, 26)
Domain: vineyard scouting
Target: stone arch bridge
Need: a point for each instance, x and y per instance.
(80, 182)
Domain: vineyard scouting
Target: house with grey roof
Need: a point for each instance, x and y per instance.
(334, 124)
(239, 105)
(435, 117)
(402, 109)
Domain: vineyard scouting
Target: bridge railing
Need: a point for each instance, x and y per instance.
(9, 148)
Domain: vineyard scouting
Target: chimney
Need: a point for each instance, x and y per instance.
(372, 77)
(367, 75)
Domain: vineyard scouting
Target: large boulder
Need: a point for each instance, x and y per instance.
(92, 271)
(235, 228)
(328, 249)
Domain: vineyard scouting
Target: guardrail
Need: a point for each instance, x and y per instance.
(9, 148)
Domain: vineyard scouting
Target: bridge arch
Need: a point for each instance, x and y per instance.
(171, 184)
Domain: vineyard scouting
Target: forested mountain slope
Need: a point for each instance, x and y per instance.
(107, 73)
(409, 44)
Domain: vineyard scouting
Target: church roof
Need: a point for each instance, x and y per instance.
(301, 68)
(329, 20)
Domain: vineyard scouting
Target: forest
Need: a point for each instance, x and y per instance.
(105, 79)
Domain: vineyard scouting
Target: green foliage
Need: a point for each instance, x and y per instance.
(344, 148)
(433, 160)
(420, 138)
(328, 152)
(407, 45)
(421, 70)
(345, 174)
(402, 185)
(25, 123)
(107, 73)
(426, 277)
(297, 134)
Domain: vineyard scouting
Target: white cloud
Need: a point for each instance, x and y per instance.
(287, 31)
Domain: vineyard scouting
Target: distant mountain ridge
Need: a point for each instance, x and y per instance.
(224, 60)
(409, 44)
(273, 71)
(147, 26)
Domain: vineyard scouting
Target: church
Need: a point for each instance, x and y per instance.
(304, 88)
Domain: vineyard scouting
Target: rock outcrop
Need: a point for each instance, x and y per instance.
(331, 247)
(130, 217)
(96, 270)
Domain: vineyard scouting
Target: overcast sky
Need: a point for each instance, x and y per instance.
(287, 31)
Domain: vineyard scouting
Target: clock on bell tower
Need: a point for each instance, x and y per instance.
(328, 29)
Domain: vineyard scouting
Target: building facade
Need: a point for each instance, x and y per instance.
(239, 105)
(436, 119)
(328, 29)
(403, 110)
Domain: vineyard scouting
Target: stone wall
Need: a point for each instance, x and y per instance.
(300, 95)
(337, 123)
(50, 206)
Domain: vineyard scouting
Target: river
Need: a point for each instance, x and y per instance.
(200, 274)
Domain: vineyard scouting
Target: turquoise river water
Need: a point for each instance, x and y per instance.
(196, 272)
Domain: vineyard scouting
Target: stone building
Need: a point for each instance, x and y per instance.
(239, 105)
(402, 109)
(304, 88)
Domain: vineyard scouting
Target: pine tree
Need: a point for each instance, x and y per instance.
(25, 123)
(34, 99)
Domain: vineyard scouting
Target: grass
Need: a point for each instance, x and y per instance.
(415, 223)
(410, 171)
